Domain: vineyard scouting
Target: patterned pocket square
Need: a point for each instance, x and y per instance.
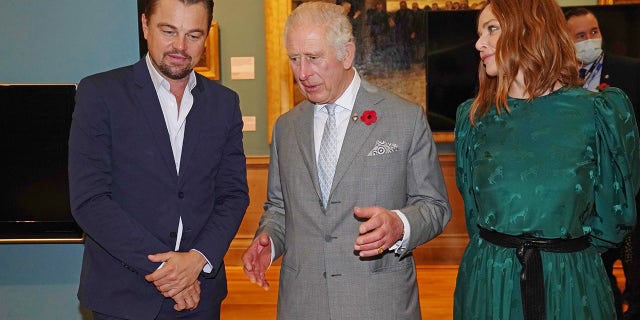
(383, 147)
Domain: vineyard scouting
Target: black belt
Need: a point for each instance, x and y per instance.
(531, 277)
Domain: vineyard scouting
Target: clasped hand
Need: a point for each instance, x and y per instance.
(177, 278)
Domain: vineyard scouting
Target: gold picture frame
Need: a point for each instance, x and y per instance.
(209, 65)
(601, 2)
(280, 79)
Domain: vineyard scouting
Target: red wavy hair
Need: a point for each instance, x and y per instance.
(533, 40)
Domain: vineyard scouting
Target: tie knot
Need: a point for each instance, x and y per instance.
(331, 108)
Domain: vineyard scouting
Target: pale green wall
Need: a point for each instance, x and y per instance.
(242, 35)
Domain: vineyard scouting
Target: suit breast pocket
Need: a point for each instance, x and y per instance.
(384, 164)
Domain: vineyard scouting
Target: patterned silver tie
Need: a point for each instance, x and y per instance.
(328, 157)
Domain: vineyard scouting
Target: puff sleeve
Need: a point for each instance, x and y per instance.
(617, 146)
(463, 146)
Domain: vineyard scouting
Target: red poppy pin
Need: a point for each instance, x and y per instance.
(603, 85)
(369, 117)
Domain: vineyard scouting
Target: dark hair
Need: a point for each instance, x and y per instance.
(151, 5)
(577, 12)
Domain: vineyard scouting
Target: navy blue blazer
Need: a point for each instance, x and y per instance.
(127, 196)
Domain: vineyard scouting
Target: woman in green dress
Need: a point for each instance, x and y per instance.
(547, 170)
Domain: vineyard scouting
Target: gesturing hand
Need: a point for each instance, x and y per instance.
(256, 259)
(382, 229)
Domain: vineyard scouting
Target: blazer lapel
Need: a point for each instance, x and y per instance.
(193, 127)
(150, 105)
(306, 143)
(357, 132)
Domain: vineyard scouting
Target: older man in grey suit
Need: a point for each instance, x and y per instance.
(339, 161)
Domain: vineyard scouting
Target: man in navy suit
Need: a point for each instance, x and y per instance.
(599, 68)
(157, 176)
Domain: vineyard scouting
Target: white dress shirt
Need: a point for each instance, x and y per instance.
(175, 118)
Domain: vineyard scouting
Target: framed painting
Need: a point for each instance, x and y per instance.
(209, 65)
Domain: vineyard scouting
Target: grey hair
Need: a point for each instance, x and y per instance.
(327, 15)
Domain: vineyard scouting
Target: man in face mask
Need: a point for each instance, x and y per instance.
(597, 66)
(602, 69)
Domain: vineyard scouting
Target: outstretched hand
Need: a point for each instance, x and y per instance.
(379, 232)
(256, 259)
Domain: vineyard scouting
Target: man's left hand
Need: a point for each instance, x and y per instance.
(188, 299)
(180, 270)
(382, 230)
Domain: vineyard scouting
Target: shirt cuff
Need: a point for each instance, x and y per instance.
(401, 245)
(207, 267)
(273, 251)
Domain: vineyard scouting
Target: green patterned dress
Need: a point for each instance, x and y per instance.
(561, 166)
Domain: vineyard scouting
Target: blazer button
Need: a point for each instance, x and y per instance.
(329, 238)
(180, 194)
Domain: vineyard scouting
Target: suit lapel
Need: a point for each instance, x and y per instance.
(306, 143)
(193, 126)
(150, 105)
(357, 132)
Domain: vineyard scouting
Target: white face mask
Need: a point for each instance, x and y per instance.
(588, 51)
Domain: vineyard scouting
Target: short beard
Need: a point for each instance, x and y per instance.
(167, 72)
